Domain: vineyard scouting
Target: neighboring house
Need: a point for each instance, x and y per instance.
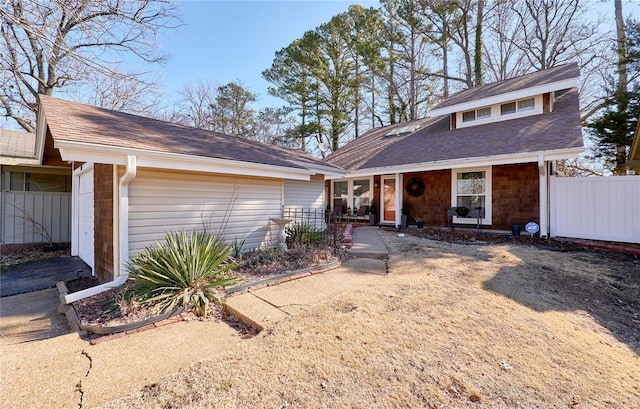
(35, 198)
(490, 148)
(633, 161)
(136, 178)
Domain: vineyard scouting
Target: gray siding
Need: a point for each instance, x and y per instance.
(237, 207)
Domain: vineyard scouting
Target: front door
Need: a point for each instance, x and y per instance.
(389, 199)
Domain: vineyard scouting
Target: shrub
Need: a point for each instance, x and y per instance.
(300, 233)
(184, 270)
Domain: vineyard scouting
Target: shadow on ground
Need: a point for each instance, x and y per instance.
(41, 274)
(605, 285)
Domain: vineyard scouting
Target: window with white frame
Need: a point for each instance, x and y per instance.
(522, 105)
(340, 196)
(350, 194)
(476, 114)
(472, 190)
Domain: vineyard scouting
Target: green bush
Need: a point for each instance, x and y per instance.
(184, 270)
(300, 233)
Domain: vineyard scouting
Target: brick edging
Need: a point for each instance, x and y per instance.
(608, 247)
(283, 278)
(73, 318)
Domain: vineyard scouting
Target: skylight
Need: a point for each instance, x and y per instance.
(403, 130)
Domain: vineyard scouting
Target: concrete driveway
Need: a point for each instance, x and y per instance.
(41, 274)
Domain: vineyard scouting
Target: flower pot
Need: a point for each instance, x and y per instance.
(515, 229)
(404, 219)
(420, 224)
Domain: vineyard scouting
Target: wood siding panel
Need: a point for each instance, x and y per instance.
(237, 207)
(597, 208)
(103, 220)
(433, 204)
(50, 209)
(515, 195)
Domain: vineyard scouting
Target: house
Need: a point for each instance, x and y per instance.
(35, 192)
(491, 149)
(633, 161)
(135, 178)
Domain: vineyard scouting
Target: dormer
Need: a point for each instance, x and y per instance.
(531, 94)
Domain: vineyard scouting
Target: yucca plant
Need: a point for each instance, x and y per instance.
(184, 270)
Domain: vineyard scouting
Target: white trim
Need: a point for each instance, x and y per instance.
(350, 195)
(397, 210)
(487, 220)
(469, 162)
(81, 151)
(121, 274)
(399, 189)
(506, 97)
(75, 216)
(543, 172)
(496, 113)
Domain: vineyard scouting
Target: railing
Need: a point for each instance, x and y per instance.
(314, 227)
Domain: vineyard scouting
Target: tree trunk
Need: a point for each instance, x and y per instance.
(621, 149)
(477, 57)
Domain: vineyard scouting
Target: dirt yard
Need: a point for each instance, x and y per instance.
(451, 326)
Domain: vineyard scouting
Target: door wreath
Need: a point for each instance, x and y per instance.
(415, 187)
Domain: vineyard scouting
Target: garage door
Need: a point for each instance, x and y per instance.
(85, 217)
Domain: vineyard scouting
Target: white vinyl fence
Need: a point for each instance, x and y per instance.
(597, 208)
(35, 217)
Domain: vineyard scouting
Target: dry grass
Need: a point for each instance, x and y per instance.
(451, 326)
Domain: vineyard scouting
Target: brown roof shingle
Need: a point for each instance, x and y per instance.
(555, 74)
(434, 141)
(76, 122)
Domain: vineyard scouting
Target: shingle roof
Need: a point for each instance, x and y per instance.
(434, 141)
(555, 74)
(76, 122)
(17, 144)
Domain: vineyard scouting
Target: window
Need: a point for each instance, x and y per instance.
(526, 104)
(509, 108)
(471, 188)
(351, 194)
(482, 113)
(35, 182)
(361, 193)
(523, 105)
(340, 195)
(468, 116)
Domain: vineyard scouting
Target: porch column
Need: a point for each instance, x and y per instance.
(398, 199)
(543, 172)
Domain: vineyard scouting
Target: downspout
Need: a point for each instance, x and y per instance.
(123, 243)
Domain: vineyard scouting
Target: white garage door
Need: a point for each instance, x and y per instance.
(85, 217)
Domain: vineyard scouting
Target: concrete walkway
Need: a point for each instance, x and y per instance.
(45, 365)
(367, 243)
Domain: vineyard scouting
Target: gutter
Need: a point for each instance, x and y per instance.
(123, 242)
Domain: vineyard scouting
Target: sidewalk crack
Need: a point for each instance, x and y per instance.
(270, 303)
(79, 384)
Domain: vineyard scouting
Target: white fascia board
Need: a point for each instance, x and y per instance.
(85, 152)
(471, 162)
(41, 134)
(509, 96)
(19, 161)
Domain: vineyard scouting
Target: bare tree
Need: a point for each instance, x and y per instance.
(554, 32)
(47, 45)
(196, 102)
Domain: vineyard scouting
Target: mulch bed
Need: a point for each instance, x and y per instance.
(110, 309)
(471, 236)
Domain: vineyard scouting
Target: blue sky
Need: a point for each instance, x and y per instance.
(224, 41)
